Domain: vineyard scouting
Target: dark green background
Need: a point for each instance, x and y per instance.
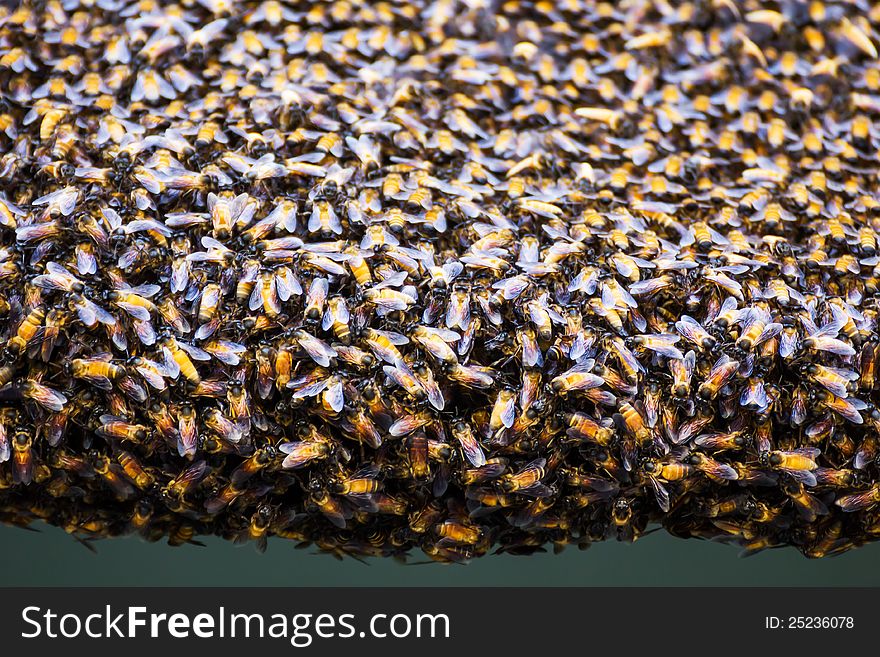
(52, 558)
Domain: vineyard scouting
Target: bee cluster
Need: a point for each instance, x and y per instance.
(455, 276)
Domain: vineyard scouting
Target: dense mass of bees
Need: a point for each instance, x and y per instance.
(449, 276)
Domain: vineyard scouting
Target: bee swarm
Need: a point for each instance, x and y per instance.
(450, 276)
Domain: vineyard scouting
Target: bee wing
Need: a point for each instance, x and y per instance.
(194, 352)
(625, 265)
(806, 477)
(208, 329)
(138, 312)
(89, 312)
(690, 362)
(856, 501)
(335, 396)
(849, 409)
(335, 516)
(99, 381)
(59, 270)
(664, 345)
(728, 305)
(172, 369)
(849, 375)
(298, 454)
(660, 494)
(833, 345)
(472, 449)
(690, 329)
(316, 348)
(472, 375)
(788, 344)
(309, 390)
(711, 440)
(811, 507)
(531, 353)
(832, 328)
(508, 413)
(314, 224)
(152, 377)
(179, 275)
(406, 425)
(726, 283)
(648, 286)
(255, 300)
(50, 399)
(723, 471)
(287, 285)
(193, 474)
(112, 217)
(86, 263)
(770, 331)
(512, 288)
(225, 351)
(754, 396)
(444, 334)
(133, 389)
(435, 395)
(536, 489)
(147, 290)
(327, 320)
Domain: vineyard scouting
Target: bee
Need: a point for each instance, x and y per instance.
(867, 367)
(22, 458)
(798, 461)
(301, 453)
(101, 373)
(28, 332)
(134, 470)
(316, 297)
(452, 532)
(135, 301)
(187, 427)
(682, 371)
(808, 506)
(258, 528)
(112, 474)
(262, 458)
(112, 426)
(527, 481)
(575, 379)
(859, 501)
(43, 395)
(141, 517)
(324, 219)
(721, 373)
(360, 269)
(182, 533)
(180, 356)
(713, 468)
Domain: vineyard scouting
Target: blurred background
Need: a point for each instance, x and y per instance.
(50, 557)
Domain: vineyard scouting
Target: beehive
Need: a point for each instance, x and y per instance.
(442, 276)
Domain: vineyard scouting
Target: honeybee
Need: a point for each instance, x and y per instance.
(301, 453)
(27, 333)
(527, 481)
(22, 458)
(134, 470)
(99, 372)
(187, 437)
(721, 373)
